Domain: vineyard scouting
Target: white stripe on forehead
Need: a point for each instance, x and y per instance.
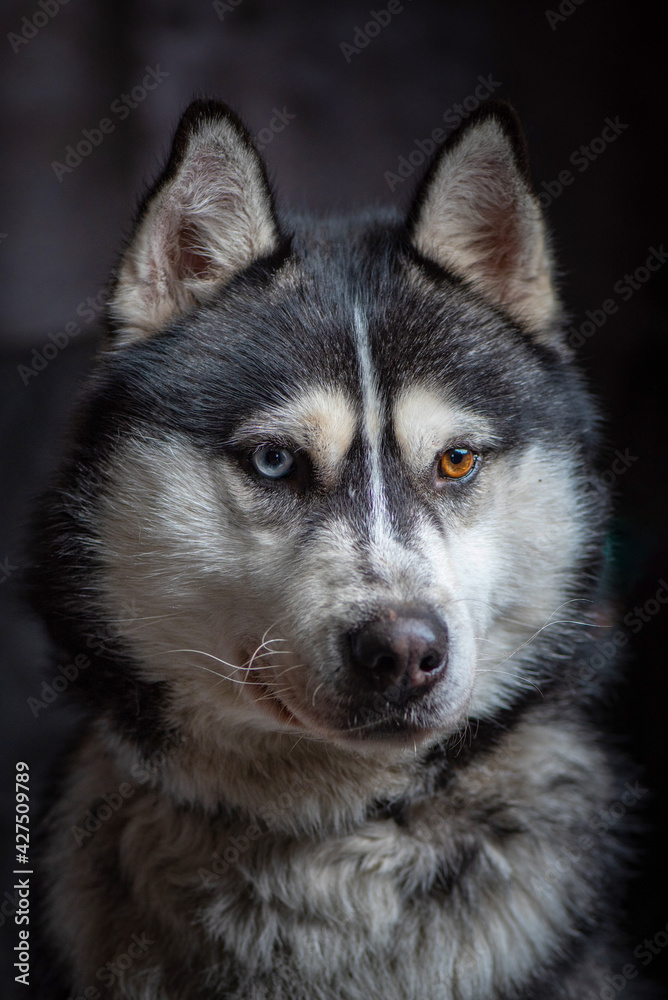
(372, 425)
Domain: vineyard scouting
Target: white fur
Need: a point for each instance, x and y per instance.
(321, 420)
(373, 427)
(285, 833)
(186, 543)
(217, 207)
(339, 900)
(480, 219)
(426, 423)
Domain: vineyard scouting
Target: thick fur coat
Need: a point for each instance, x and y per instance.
(330, 536)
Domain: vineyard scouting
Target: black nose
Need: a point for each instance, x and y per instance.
(406, 650)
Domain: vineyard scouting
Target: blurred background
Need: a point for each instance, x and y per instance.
(91, 93)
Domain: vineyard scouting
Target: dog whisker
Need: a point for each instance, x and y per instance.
(525, 624)
(273, 695)
(295, 666)
(224, 677)
(201, 652)
(535, 636)
(275, 652)
(522, 681)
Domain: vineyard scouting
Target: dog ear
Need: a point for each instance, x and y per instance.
(208, 217)
(475, 214)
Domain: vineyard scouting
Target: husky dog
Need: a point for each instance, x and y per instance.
(328, 547)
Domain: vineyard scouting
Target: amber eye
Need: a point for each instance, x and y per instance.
(455, 463)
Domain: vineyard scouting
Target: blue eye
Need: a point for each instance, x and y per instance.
(272, 462)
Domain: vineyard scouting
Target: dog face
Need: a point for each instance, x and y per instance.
(344, 463)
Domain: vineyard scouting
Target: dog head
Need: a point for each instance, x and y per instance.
(335, 478)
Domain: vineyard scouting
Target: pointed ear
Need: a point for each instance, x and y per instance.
(475, 214)
(208, 217)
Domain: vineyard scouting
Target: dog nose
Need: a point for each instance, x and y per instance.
(407, 651)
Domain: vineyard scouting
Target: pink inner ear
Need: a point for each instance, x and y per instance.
(192, 260)
(505, 239)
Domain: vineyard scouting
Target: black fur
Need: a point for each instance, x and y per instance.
(284, 326)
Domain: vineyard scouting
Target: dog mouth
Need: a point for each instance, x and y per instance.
(388, 728)
(358, 714)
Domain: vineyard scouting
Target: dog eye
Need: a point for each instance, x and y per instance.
(272, 462)
(456, 463)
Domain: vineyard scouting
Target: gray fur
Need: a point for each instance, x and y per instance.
(266, 820)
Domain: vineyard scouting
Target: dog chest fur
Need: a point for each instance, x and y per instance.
(412, 897)
(331, 534)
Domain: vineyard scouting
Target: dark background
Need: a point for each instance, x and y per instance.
(353, 119)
